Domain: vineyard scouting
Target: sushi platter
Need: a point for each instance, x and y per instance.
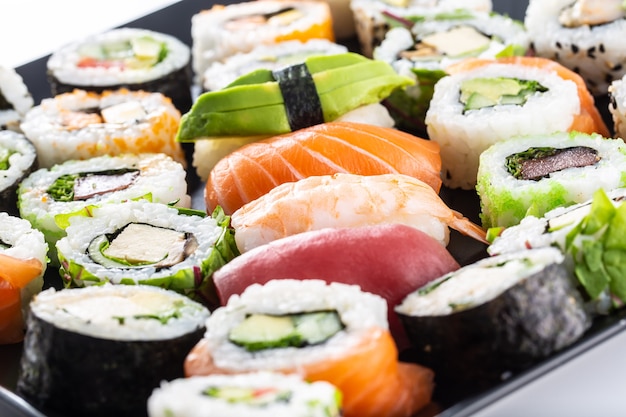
(579, 333)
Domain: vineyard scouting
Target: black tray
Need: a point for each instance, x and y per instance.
(176, 20)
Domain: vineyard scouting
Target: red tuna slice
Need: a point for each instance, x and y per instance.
(390, 260)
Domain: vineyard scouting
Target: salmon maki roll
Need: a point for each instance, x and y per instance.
(324, 149)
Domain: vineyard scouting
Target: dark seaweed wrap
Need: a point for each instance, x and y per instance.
(77, 375)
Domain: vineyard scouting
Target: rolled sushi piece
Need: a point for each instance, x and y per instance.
(590, 234)
(535, 174)
(496, 317)
(15, 99)
(617, 106)
(324, 332)
(423, 46)
(23, 262)
(110, 346)
(18, 159)
(484, 101)
(226, 29)
(49, 197)
(132, 58)
(583, 35)
(147, 243)
(374, 18)
(256, 394)
(82, 125)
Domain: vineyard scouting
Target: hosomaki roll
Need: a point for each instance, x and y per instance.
(18, 158)
(499, 315)
(582, 35)
(49, 197)
(23, 261)
(15, 99)
(109, 346)
(534, 174)
(81, 125)
(225, 30)
(257, 394)
(484, 101)
(329, 332)
(137, 59)
(147, 243)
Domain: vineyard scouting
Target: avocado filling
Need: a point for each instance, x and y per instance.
(537, 163)
(138, 245)
(456, 42)
(85, 185)
(136, 53)
(259, 397)
(281, 17)
(478, 93)
(592, 13)
(5, 154)
(264, 331)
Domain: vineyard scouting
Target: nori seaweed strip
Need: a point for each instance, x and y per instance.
(302, 104)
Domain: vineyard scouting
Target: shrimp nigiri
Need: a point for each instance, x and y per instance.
(347, 200)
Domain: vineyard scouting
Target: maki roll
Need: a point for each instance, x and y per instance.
(484, 101)
(23, 263)
(109, 346)
(136, 59)
(583, 35)
(617, 106)
(15, 99)
(225, 30)
(500, 315)
(424, 46)
(49, 197)
(147, 243)
(329, 332)
(257, 394)
(18, 158)
(535, 174)
(82, 125)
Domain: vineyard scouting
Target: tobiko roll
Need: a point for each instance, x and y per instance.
(137, 59)
(323, 332)
(23, 262)
(147, 243)
(15, 99)
(109, 346)
(535, 174)
(81, 125)
(18, 158)
(484, 101)
(497, 316)
(256, 394)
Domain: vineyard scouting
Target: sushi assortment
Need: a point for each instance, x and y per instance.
(310, 268)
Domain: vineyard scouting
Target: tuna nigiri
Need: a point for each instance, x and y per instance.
(347, 200)
(323, 149)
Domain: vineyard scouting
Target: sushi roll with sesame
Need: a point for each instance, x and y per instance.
(82, 125)
(617, 106)
(18, 159)
(535, 174)
(136, 59)
(110, 346)
(583, 35)
(15, 99)
(255, 394)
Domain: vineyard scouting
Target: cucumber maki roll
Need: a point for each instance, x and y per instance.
(110, 346)
(49, 197)
(82, 125)
(18, 159)
(147, 243)
(137, 59)
(15, 99)
(535, 174)
(256, 394)
(501, 315)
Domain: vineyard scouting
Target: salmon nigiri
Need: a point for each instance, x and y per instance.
(347, 200)
(328, 148)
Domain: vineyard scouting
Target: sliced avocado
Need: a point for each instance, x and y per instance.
(146, 46)
(477, 93)
(459, 41)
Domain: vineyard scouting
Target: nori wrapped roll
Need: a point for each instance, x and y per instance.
(15, 99)
(18, 159)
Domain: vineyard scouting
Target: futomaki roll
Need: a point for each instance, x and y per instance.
(497, 316)
(81, 125)
(15, 99)
(18, 158)
(257, 394)
(147, 243)
(137, 59)
(109, 346)
(534, 174)
(49, 197)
